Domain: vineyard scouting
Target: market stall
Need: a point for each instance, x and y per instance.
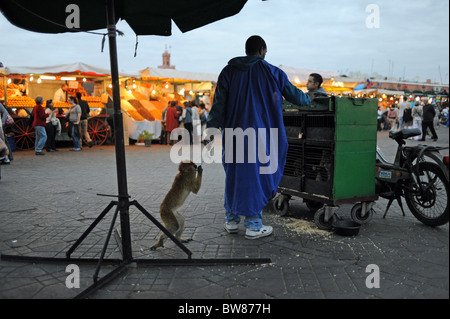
(144, 98)
(386, 98)
(23, 84)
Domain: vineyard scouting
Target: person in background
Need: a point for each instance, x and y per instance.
(187, 121)
(203, 118)
(39, 124)
(428, 120)
(51, 127)
(392, 117)
(444, 114)
(196, 128)
(74, 123)
(4, 159)
(379, 118)
(180, 117)
(401, 109)
(314, 86)
(61, 94)
(171, 120)
(407, 116)
(162, 138)
(417, 113)
(85, 110)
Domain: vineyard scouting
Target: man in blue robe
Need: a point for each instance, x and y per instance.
(247, 108)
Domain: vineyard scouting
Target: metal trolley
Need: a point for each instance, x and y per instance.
(331, 158)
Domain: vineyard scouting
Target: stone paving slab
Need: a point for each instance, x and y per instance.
(47, 202)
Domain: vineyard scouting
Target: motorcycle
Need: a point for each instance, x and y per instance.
(419, 174)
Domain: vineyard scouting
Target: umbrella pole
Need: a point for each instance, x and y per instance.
(124, 202)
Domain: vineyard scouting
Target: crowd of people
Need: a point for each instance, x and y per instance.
(189, 116)
(47, 125)
(421, 114)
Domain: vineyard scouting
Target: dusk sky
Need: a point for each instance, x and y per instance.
(402, 39)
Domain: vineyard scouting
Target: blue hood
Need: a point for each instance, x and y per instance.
(244, 63)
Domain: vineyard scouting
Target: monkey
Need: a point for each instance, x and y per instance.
(187, 180)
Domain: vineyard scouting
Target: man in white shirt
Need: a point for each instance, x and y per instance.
(60, 94)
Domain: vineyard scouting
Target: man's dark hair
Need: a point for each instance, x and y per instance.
(254, 44)
(78, 94)
(317, 78)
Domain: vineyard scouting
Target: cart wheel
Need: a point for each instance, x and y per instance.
(319, 220)
(356, 214)
(312, 205)
(25, 136)
(98, 131)
(281, 206)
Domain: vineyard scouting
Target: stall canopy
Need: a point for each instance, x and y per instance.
(298, 75)
(378, 91)
(72, 68)
(177, 75)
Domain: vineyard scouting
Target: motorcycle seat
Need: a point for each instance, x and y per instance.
(405, 133)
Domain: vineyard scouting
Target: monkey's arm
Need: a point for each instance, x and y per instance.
(198, 181)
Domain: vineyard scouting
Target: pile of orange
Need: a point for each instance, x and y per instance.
(21, 101)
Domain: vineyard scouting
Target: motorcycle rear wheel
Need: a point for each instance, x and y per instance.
(430, 207)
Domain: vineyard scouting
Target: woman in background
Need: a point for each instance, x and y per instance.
(51, 127)
(39, 124)
(74, 123)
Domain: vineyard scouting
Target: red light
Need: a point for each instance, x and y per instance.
(446, 161)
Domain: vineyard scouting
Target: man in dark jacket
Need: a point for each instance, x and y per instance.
(428, 120)
(85, 110)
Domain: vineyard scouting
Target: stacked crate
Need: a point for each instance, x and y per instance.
(332, 150)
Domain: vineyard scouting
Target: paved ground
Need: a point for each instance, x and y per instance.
(46, 203)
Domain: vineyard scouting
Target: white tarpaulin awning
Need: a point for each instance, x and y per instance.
(365, 91)
(379, 91)
(71, 68)
(297, 75)
(172, 74)
(390, 92)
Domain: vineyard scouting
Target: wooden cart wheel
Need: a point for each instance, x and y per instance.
(98, 131)
(24, 135)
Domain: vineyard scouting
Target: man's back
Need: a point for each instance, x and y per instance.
(428, 112)
(84, 109)
(255, 92)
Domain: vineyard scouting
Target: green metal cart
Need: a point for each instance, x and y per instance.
(331, 158)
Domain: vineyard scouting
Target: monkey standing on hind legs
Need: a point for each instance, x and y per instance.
(188, 179)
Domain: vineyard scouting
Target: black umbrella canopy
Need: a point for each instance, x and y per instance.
(145, 17)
